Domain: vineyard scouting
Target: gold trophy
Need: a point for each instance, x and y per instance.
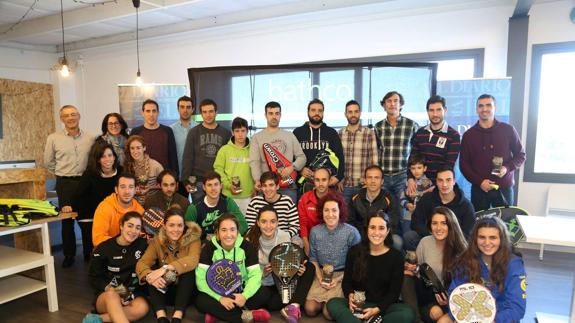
(327, 274)
(358, 300)
(497, 164)
(237, 184)
(192, 180)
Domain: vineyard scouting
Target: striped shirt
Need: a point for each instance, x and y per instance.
(286, 210)
(439, 148)
(360, 151)
(393, 144)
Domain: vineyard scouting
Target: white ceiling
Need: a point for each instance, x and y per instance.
(91, 23)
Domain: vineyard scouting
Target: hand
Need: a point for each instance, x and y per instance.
(227, 302)
(234, 189)
(306, 246)
(502, 171)
(258, 186)
(333, 181)
(307, 172)
(155, 274)
(239, 300)
(486, 185)
(188, 188)
(267, 269)
(352, 306)
(442, 299)
(301, 269)
(340, 186)
(66, 209)
(159, 283)
(330, 285)
(369, 312)
(286, 172)
(430, 189)
(411, 187)
(410, 206)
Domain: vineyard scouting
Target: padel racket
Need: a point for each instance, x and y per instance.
(285, 260)
(509, 215)
(153, 219)
(277, 162)
(430, 278)
(472, 303)
(224, 277)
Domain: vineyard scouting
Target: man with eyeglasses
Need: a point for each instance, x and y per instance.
(491, 151)
(66, 156)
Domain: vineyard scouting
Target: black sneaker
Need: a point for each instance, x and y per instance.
(68, 262)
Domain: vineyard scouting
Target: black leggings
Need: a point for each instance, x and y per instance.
(304, 282)
(207, 304)
(179, 294)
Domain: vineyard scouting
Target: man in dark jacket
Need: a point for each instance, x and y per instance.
(371, 199)
(447, 194)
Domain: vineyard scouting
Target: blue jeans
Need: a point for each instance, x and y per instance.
(395, 184)
(484, 200)
(411, 239)
(348, 193)
(291, 192)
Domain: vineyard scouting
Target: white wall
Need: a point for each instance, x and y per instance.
(548, 23)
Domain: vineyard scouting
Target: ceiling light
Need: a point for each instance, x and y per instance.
(139, 80)
(65, 69)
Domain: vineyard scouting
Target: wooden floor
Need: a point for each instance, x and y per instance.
(550, 284)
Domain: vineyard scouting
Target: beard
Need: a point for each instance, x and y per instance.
(315, 122)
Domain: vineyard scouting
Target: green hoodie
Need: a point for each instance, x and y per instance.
(243, 254)
(232, 160)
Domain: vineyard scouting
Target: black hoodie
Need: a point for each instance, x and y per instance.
(313, 140)
(460, 205)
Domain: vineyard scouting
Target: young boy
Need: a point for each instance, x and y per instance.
(417, 167)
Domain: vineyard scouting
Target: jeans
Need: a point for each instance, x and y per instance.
(395, 184)
(348, 193)
(484, 200)
(411, 239)
(291, 192)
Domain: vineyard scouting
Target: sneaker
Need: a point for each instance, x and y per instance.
(291, 313)
(209, 318)
(92, 318)
(261, 315)
(68, 261)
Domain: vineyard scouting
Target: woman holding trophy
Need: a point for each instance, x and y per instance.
(139, 163)
(119, 296)
(330, 241)
(168, 264)
(372, 279)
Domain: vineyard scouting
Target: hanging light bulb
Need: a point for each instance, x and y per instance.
(139, 80)
(65, 70)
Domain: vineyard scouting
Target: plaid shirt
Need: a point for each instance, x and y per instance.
(394, 144)
(360, 151)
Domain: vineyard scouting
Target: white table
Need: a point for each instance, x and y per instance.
(14, 261)
(553, 230)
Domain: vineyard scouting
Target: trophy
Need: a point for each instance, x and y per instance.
(411, 258)
(358, 300)
(327, 274)
(170, 277)
(247, 316)
(192, 182)
(497, 164)
(126, 295)
(236, 183)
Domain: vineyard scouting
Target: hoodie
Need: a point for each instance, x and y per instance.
(243, 254)
(480, 145)
(314, 140)
(231, 161)
(107, 218)
(184, 257)
(460, 205)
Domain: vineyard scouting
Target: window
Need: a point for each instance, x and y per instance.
(550, 147)
(455, 69)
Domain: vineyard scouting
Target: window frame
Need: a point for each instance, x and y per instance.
(537, 52)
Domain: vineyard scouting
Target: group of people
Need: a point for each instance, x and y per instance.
(384, 192)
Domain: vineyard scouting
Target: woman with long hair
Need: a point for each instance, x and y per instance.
(114, 132)
(265, 235)
(168, 265)
(96, 183)
(139, 163)
(491, 260)
(375, 269)
(329, 243)
(119, 296)
(227, 243)
(440, 250)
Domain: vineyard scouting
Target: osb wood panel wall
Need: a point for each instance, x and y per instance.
(27, 119)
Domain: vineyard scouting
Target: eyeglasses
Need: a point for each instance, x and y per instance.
(113, 124)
